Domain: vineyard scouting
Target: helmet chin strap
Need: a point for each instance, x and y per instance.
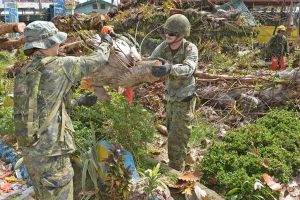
(178, 39)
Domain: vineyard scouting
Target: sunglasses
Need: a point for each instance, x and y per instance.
(171, 33)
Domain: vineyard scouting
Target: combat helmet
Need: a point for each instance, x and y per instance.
(178, 23)
(281, 28)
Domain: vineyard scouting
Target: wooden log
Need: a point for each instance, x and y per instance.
(213, 78)
(71, 47)
(11, 28)
(12, 44)
(140, 74)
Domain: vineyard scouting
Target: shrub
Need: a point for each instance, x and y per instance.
(6, 121)
(232, 166)
(5, 59)
(117, 122)
(200, 131)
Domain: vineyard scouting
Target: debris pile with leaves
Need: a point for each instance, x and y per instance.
(9, 44)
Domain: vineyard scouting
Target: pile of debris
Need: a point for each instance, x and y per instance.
(5, 42)
(12, 184)
(209, 23)
(233, 100)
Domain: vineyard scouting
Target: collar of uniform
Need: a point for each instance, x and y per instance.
(181, 49)
(38, 56)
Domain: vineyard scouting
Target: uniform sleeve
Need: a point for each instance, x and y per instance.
(269, 49)
(189, 65)
(157, 52)
(77, 67)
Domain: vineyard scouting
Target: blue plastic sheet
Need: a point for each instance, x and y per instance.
(128, 160)
(8, 154)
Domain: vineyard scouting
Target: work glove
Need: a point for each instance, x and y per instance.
(106, 38)
(162, 70)
(87, 100)
(267, 59)
(108, 30)
(94, 42)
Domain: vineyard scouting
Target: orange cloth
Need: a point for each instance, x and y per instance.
(275, 65)
(107, 30)
(129, 94)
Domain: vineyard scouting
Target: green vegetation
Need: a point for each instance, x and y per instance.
(271, 145)
(201, 130)
(6, 121)
(117, 122)
(6, 86)
(5, 59)
(151, 178)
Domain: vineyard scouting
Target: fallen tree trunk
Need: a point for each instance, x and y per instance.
(12, 44)
(11, 28)
(71, 47)
(201, 76)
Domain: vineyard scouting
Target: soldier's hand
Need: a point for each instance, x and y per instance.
(106, 38)
(86, 100)
(162, 70)
(267, 59)
(94, 42)
(108, 30)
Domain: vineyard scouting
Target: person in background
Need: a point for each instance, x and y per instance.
(278, 49)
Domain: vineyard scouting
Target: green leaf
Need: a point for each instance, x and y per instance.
(233, 191)
(8, 101)
(84, 171)
(19, 163)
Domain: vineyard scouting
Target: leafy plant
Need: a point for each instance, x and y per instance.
(6, 121)
(271, 146)
(5, 59)
(118, 177)
(222, 61)
(200, 131)
(117, 122)
(151, 178)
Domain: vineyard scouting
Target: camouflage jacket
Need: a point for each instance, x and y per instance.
(58, 74)
(180, 83)
(277, 46)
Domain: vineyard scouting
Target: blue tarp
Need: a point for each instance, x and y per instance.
(9, 155)
(240, 5)
(128, 160)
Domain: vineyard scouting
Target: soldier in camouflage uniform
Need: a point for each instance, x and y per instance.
(278, 46)
(180, 60)
(43, 127)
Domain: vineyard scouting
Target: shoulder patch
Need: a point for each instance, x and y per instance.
(189, 48)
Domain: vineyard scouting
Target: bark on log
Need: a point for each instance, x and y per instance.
(12, 44)
(140, 74)
(71, 47)
(213, 78)
(11, 28)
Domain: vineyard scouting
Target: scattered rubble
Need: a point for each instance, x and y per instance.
(12, 183)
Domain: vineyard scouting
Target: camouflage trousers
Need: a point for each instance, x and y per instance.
(179, 118)
(52, 176)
